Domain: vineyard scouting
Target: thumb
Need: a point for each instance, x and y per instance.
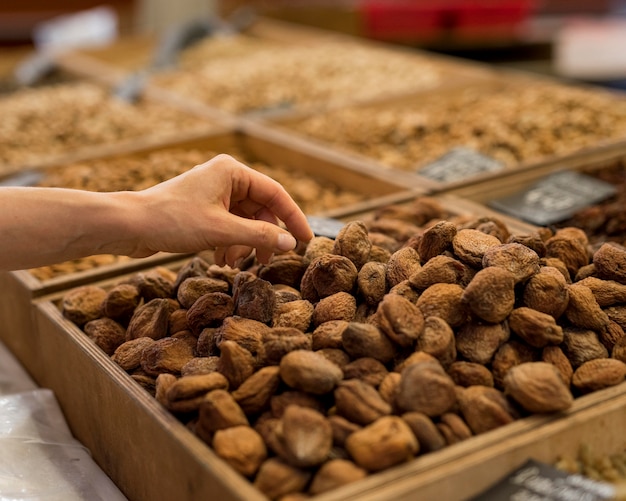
(266, 237)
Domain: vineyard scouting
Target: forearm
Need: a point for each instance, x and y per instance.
(40, 226)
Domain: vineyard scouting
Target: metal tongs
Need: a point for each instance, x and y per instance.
(177, 39)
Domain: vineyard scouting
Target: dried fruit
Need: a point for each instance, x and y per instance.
(538, 387)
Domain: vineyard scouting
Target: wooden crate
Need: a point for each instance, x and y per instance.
(392, 145)
(106, 410)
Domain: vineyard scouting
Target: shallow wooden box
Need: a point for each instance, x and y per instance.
(19, 288)
(152, 456)
(416, 157)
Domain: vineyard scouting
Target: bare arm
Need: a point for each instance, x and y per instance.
(220, 205)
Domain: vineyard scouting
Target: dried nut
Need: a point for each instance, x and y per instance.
(342, 429)
(305, 435)
(401, 265)
(470, 246)
(253, 395)
(453, 428)
(438, 340)
(194, 287)
(120, 302)
(247, 333)
(425, 387)
(427, 434)
(606, 292)
(470, 374)
(327, 275)
(582, 345)
(200, 365)
(284, 269)
(536, 328)
(520, 260)
(297, 314)
(509, 355)
(309, 371)
(276, 478)
(444, 301)
(386, 442)
(338, 306)
(388, 388)
(547, 292)
(440, 270)
(583, 310)
(165, 355)
(359, 402)
(279, 341)
(335, 473)
(372, 282)
(491, 294)
(106, 333)
(241, 447)
(478, 342)
(82, 304)
(484, 408)
(367, 369)
(219, 410)
(254, 299)
(128, 354)
(436, 240)
(554, 355)
(236, 363)
(367, 340)
(400, 319)
(538, 387)
(186, 393)
(571, 251)
(610, 262)
(353, 243)
(599, 373)
(210, 310)
(329, 334)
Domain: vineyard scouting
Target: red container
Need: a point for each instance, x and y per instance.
(491, 19)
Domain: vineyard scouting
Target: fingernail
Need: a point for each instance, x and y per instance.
(286, 242)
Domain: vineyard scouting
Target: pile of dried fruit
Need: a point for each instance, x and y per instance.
(513, 124)
(402, 336)
(59, 119)
(604, 468)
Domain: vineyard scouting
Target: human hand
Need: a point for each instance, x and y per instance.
(222, 205)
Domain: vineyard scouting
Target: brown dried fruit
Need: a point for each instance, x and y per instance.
(318, 246)
(440, 270)
(538, 387)
(309, 371)
(405, 290)
(150, 320)
(606, 292)
(327, 275)
(599, 373)
(619, 350)
(611, 335)
(570, 250)
(194, 287)
(329, 334)
(536, 328)
(254, 299)
(253, 395)
(352, 242)
(436, 240)
(279, 341)
(521, 261)
(342, 429)
(296, 314)
(610, 262)
(218, 411)
(478, 342)
(83, 304)
(339, 306)
(187, 393)
(372, 282)
(400, 319)
(453, 428)
(241, 447)
(165, 355)
(438, 340)
(367, 369)
(280, 402)
(247, 333)
(581, 345)
(236, 363)
(276, 478)
(425, 387)
(491, 294)
(285, 269)
(209, 310)
(195, 267)
(335, 473)
(120, 302)
(177, 321)
(128, 354)
(426, 432)
(484, 408)
(583, 309)
(470, 245)
(547, 292)
(401, 265)
(153, 284)
(106, 333)
(444, 301)
(359, 402)
(200, 365)
(554, 355)
(386, 442)
(470, 374)
(367, 340)
(338, 357)
(532, 241)
(389, 387)
(509, 355)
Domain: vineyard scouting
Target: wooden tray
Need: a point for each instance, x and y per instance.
(106, 409)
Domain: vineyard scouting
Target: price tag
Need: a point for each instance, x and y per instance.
(555, 198)
(325, 226)
(458, 164)
(536, 481)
